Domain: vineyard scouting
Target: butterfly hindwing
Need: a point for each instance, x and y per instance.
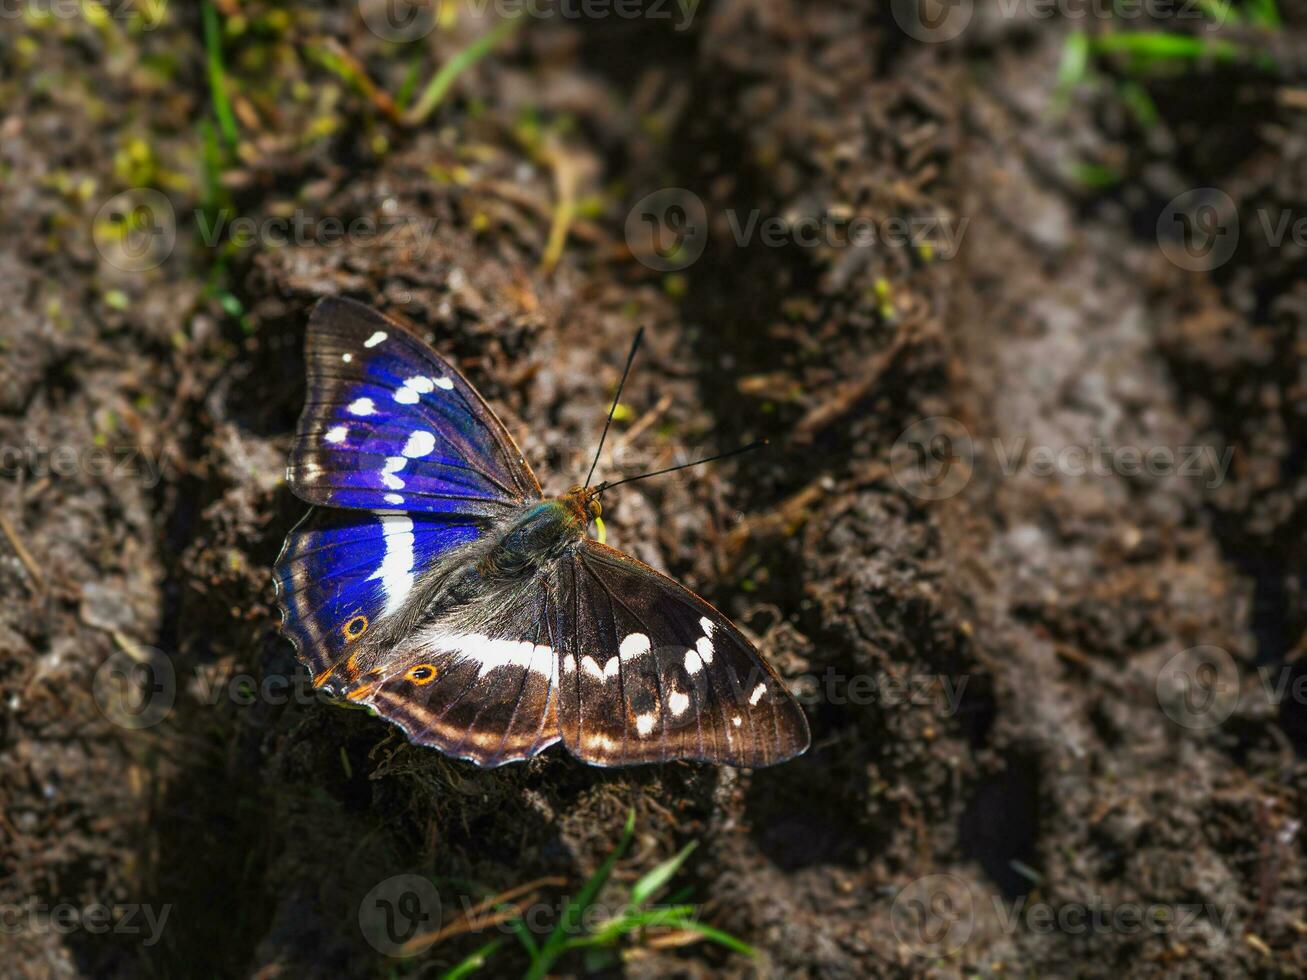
(342, 572)
(650, 672)
(389, 424)
(480, 683)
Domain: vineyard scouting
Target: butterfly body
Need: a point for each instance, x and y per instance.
(435, 584)
(542, 532)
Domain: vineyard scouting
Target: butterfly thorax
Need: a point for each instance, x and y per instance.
(541, 532)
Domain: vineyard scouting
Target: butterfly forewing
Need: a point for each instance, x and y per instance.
(389, 424)
(651, 672)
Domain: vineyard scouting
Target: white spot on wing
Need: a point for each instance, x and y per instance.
(361, 406)
(707, 625)
(613, 667)
(336, 434)
(678, 701)
(396, 569)
(569, 664)
(347, 357)
(419, 443)
(693, 664)
(736, 720)
(393, 465)
(445, 383)
(412, 388)
(705, 648)
(757, 694)
(375, 339)
(634, 645)
(591, 666)
(644, 724)
(393, 498)
(491, 653)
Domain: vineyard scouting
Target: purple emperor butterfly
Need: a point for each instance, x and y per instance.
(436, 585)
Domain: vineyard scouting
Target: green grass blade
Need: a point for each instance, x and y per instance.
(1264, 13)
(1075, 63)
(461, 62)
(218, 75)
(525, 938)
(1159, 46)
(1222, 12)
(573, 909)
(716, 935)
(474, 962)
(653, 882)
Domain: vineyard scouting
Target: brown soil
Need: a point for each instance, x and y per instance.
(1013, 634)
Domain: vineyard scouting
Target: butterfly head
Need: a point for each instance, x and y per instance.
(585, 501)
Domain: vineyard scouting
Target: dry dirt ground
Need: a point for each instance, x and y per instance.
(1016, 766)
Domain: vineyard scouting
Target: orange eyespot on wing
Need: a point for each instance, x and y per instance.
(420, 674)
(355, 627)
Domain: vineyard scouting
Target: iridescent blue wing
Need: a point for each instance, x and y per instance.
(342, 573)
(420, 466)
(389, 424)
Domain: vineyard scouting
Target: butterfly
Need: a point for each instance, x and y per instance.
(435, 584)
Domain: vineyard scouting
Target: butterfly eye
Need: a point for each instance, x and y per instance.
(596, 508)
(421, 674)
(355, 628)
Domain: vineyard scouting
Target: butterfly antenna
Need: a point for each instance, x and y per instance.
(635, 345)
(757, 444)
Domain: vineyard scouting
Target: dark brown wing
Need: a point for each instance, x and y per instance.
(650, 672)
